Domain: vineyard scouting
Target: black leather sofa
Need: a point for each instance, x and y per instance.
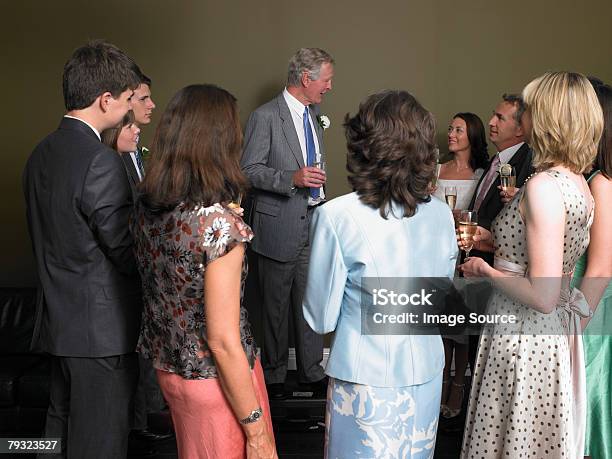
(24, 374)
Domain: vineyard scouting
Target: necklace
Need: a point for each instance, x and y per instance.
(459, 169)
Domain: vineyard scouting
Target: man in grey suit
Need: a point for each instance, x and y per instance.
(283, 143)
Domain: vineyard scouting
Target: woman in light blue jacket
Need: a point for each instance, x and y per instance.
(384, 392)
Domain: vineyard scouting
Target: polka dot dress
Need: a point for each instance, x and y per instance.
(521, 399)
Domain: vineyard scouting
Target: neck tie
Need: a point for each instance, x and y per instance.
(138, 157)
(486, 182)
(311, 152)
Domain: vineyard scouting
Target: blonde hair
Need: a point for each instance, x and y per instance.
(567, 121)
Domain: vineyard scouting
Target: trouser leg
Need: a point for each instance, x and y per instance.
(101, 405)
(56, 425)
(308, 344)
(275, 280)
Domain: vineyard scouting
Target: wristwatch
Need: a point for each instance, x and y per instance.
(255, 416)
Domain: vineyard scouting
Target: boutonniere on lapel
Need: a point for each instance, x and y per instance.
(323, 121)
(145, 152)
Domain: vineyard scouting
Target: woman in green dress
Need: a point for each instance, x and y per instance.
(596, 269)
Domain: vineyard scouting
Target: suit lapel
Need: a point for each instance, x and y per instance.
(518, 157)
(129, 165)
(289, 130)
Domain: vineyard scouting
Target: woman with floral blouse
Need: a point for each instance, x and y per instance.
(191, 251)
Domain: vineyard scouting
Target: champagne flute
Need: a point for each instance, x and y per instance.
(236, 203)
(450, 194)
(507, 177)
(468, 224)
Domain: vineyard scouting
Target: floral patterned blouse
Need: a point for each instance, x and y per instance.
(173, 250)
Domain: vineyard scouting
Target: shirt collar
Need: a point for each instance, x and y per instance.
(506, 155)
(293, 103)
(83, 121)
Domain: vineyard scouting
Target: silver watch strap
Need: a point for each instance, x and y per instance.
(255, 416)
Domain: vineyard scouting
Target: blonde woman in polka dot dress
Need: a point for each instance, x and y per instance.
(527, 397)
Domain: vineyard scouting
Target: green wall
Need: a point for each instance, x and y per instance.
(454, 56)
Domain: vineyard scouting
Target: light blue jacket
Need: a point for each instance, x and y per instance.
(350, 240)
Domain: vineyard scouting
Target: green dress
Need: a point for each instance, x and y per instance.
(597, 339)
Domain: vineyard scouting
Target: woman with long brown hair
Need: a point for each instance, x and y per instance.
(190, 246)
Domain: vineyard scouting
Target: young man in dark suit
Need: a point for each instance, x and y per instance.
(142, 107)
(148, 397)
(78, 202)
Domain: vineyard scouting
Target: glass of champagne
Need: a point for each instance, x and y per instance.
(450, 194)
(507, 177)
(468, 224)
(236, 203)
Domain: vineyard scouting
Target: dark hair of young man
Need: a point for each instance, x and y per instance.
(94, 69)
(142, 78)
(110, 136)
(196, 151)
(479, 157)
(391, 151)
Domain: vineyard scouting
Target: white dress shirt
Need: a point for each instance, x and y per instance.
(296, 108)
(83, 121)
(133, 157)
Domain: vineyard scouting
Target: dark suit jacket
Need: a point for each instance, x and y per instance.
(132, 174)
(78, 202)
(271, 155)
(492, 204)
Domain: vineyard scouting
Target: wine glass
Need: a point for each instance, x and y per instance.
(450, 194)
(468, 224)
(507, 177)
(320, 164)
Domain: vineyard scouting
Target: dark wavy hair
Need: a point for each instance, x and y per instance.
(603, 160)
(479, 156)
(391, 151)
(195, 152)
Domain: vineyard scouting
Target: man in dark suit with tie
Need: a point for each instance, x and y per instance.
(508, 136)
(283, 142)
(78, 202)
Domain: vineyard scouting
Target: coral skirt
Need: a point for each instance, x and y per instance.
(203, 420)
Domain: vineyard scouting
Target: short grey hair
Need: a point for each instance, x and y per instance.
(306, 60)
